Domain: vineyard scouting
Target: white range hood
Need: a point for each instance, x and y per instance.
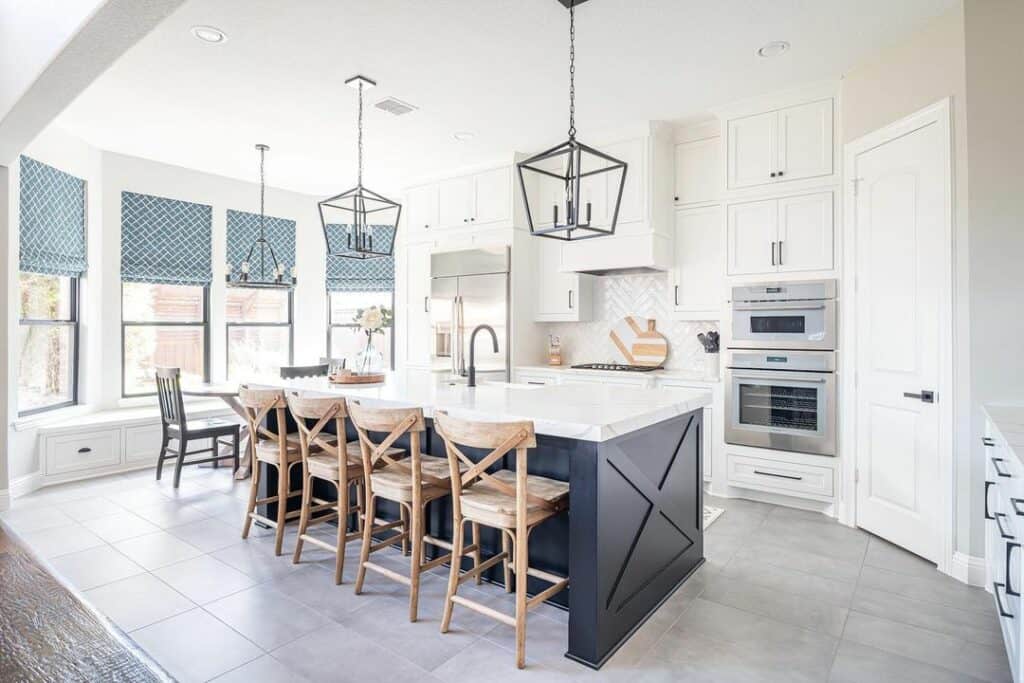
(618, 254)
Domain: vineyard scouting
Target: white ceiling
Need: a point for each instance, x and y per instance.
(493, 67)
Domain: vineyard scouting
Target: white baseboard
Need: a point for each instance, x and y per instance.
(5, 500)
(968, 569)
(26, 484)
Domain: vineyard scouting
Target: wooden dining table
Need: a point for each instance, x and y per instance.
(227, 392)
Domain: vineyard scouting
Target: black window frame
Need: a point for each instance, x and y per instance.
(73, 322)
(331, 326)
(205, 324)
(291, 333)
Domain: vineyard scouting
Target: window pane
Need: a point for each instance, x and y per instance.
(345, 304)
(45, 365)
(256, 351)
(144, 302)
(348, 342)
(45, 297)
(247, 305)
(146, 348)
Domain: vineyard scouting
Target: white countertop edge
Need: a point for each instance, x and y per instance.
(680, 375)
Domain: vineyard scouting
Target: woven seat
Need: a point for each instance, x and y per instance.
(325, 466)
(270, 452)
(486, 503)
(395, 483)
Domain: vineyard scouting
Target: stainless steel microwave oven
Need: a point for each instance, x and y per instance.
(785, 315)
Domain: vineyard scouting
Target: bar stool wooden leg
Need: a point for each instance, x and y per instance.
(506, 564)
(307, 492)
(361, 504)
(405, 529)
(364, 552)
(476, 552)
(417, 557)
(453, 575)
(254, 486)
(522, 546)
(339, 557)
(282, 506)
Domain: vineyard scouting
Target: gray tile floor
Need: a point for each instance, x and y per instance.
(785, 595)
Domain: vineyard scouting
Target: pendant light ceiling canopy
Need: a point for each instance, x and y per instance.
(559, 185)
(261, 268)
(360, 223)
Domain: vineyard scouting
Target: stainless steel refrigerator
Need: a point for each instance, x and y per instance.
(467, 289)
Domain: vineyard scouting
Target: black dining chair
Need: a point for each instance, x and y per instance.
(177, 427)
(295, 371)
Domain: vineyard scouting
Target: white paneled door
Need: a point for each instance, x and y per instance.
(901, 252)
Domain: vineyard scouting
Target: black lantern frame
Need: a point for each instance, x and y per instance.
(577, 223)
(360, 223)
(278, 279)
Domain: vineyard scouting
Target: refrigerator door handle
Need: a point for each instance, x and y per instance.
(462, 338)
(453, 336)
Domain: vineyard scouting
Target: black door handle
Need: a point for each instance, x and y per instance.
(924, 397)
(999, 471)
(1009, 586)
(999, 603)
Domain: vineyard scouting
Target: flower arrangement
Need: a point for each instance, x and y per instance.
(372, 320)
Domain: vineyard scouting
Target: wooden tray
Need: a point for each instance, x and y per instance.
(639, 342)
(352, 378)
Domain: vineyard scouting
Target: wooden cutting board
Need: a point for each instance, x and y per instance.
(639, 342)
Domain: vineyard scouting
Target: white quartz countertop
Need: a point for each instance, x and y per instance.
(589, 413)
(694, 376)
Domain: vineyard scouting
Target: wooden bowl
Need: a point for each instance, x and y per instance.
(353, 378)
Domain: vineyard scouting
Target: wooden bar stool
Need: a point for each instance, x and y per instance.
(412, 483)
(277, 449)
(323, 459)
(513, 502)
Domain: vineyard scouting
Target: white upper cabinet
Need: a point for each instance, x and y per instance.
(785, 235)
(751, 145)
(561, 297)
(698, 171)
(752, 230)
(421, 210)
(698, 267)
(456, 201)
(805, 233)
(493, 196)
(792, 143)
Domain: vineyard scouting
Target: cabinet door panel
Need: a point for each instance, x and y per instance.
(417, 319)
(752, 230)
(455, 201)
(805, 141)
(751, 150)
(553, 286)
(422, 209)
(698, 260)
(494, 196)
(698, 171)
(805, 233)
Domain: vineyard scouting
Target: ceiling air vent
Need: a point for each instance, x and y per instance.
(393, 106)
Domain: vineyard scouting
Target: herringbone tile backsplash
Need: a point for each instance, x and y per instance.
(616, 296)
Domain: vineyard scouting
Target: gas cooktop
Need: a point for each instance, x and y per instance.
(615, 366)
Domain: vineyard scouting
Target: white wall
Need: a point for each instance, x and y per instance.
(107, 175)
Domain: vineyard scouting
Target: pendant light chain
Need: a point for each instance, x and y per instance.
(263, 188)
(572, 70)
(360, 134)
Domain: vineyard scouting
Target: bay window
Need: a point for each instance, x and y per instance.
(47, 342)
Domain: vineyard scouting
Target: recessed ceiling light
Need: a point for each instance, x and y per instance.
(773, 49)
(463, 135)
(209, 34)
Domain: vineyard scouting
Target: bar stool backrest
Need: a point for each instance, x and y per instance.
(502, 438)
(324, 411)
(257, 404)
(172, 403)
(394, 422)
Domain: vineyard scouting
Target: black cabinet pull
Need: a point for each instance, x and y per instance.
(779, 174)
(472, 219)
(780, 248)
(999, 603)
(1009, 585)
(570, 299)
(465, 220)
(532, 382)
(986, 441)
(426, 304)
(773, 253)
(773, 174)
(1018, 505)
(1007, 536)
(677, 199)
(988, 515)
(85, 449)
(999, 471)
(780, 476)
(677, 295)
(426, 226)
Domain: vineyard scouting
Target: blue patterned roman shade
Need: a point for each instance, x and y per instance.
(52, 221)
(165, 241)
(244, 227)
(364, 275)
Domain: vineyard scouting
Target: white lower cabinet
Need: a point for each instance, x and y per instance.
(69, 453)
(779, 476)
(142, 443)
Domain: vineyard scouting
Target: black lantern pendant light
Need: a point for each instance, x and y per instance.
(260, 268)
(359, 223)
(571, 170)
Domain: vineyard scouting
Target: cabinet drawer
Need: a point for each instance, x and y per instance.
(82, 451)
(781, 477)
(142, 443)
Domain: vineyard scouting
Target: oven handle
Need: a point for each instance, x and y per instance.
(776, 306)
(777, 374)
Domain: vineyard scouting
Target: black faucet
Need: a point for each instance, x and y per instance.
(472, 351)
